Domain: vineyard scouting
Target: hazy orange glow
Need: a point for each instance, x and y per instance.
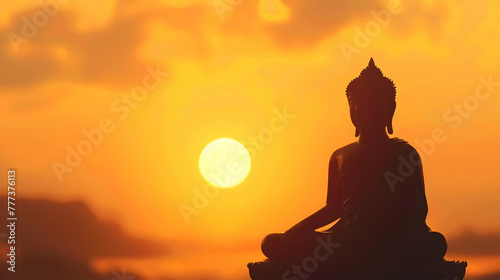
(273, 10)
(234, 72)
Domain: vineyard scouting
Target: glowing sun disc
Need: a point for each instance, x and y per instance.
(224, 163)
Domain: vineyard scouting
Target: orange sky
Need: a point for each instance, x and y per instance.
(213, 70)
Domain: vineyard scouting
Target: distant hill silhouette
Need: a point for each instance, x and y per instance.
(57, 240)
(472, 243)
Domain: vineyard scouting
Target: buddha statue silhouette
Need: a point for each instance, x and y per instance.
(376, 192)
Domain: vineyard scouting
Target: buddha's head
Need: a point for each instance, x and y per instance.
(372, 100)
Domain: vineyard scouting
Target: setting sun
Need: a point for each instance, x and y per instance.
(224, 163)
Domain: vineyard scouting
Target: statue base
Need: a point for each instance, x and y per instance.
(445, 270)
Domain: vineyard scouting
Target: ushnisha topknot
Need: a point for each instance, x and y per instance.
(371, 84)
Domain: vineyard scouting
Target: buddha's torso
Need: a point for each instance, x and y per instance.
(367, 198)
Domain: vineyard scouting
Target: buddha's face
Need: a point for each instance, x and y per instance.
(370, 115)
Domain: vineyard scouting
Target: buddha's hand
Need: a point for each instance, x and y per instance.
(292, 235)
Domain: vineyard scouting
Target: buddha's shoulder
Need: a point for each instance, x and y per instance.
(346, 148)
(399, 145)
(345, 151)
(402, 146)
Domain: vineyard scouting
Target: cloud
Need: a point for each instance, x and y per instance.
(314, 20)
(493, 276)
(418, 16)
(110, 55)
(471, 243)
(59, 50)
(311, 21)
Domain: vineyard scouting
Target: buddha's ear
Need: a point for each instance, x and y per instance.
(356, 133)
(389, 124)
(389, 128)
(392, 108)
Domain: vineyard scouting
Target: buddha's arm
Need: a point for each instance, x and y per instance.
(327, 214)
(333, 208)
(324, 216)
(320, 218)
